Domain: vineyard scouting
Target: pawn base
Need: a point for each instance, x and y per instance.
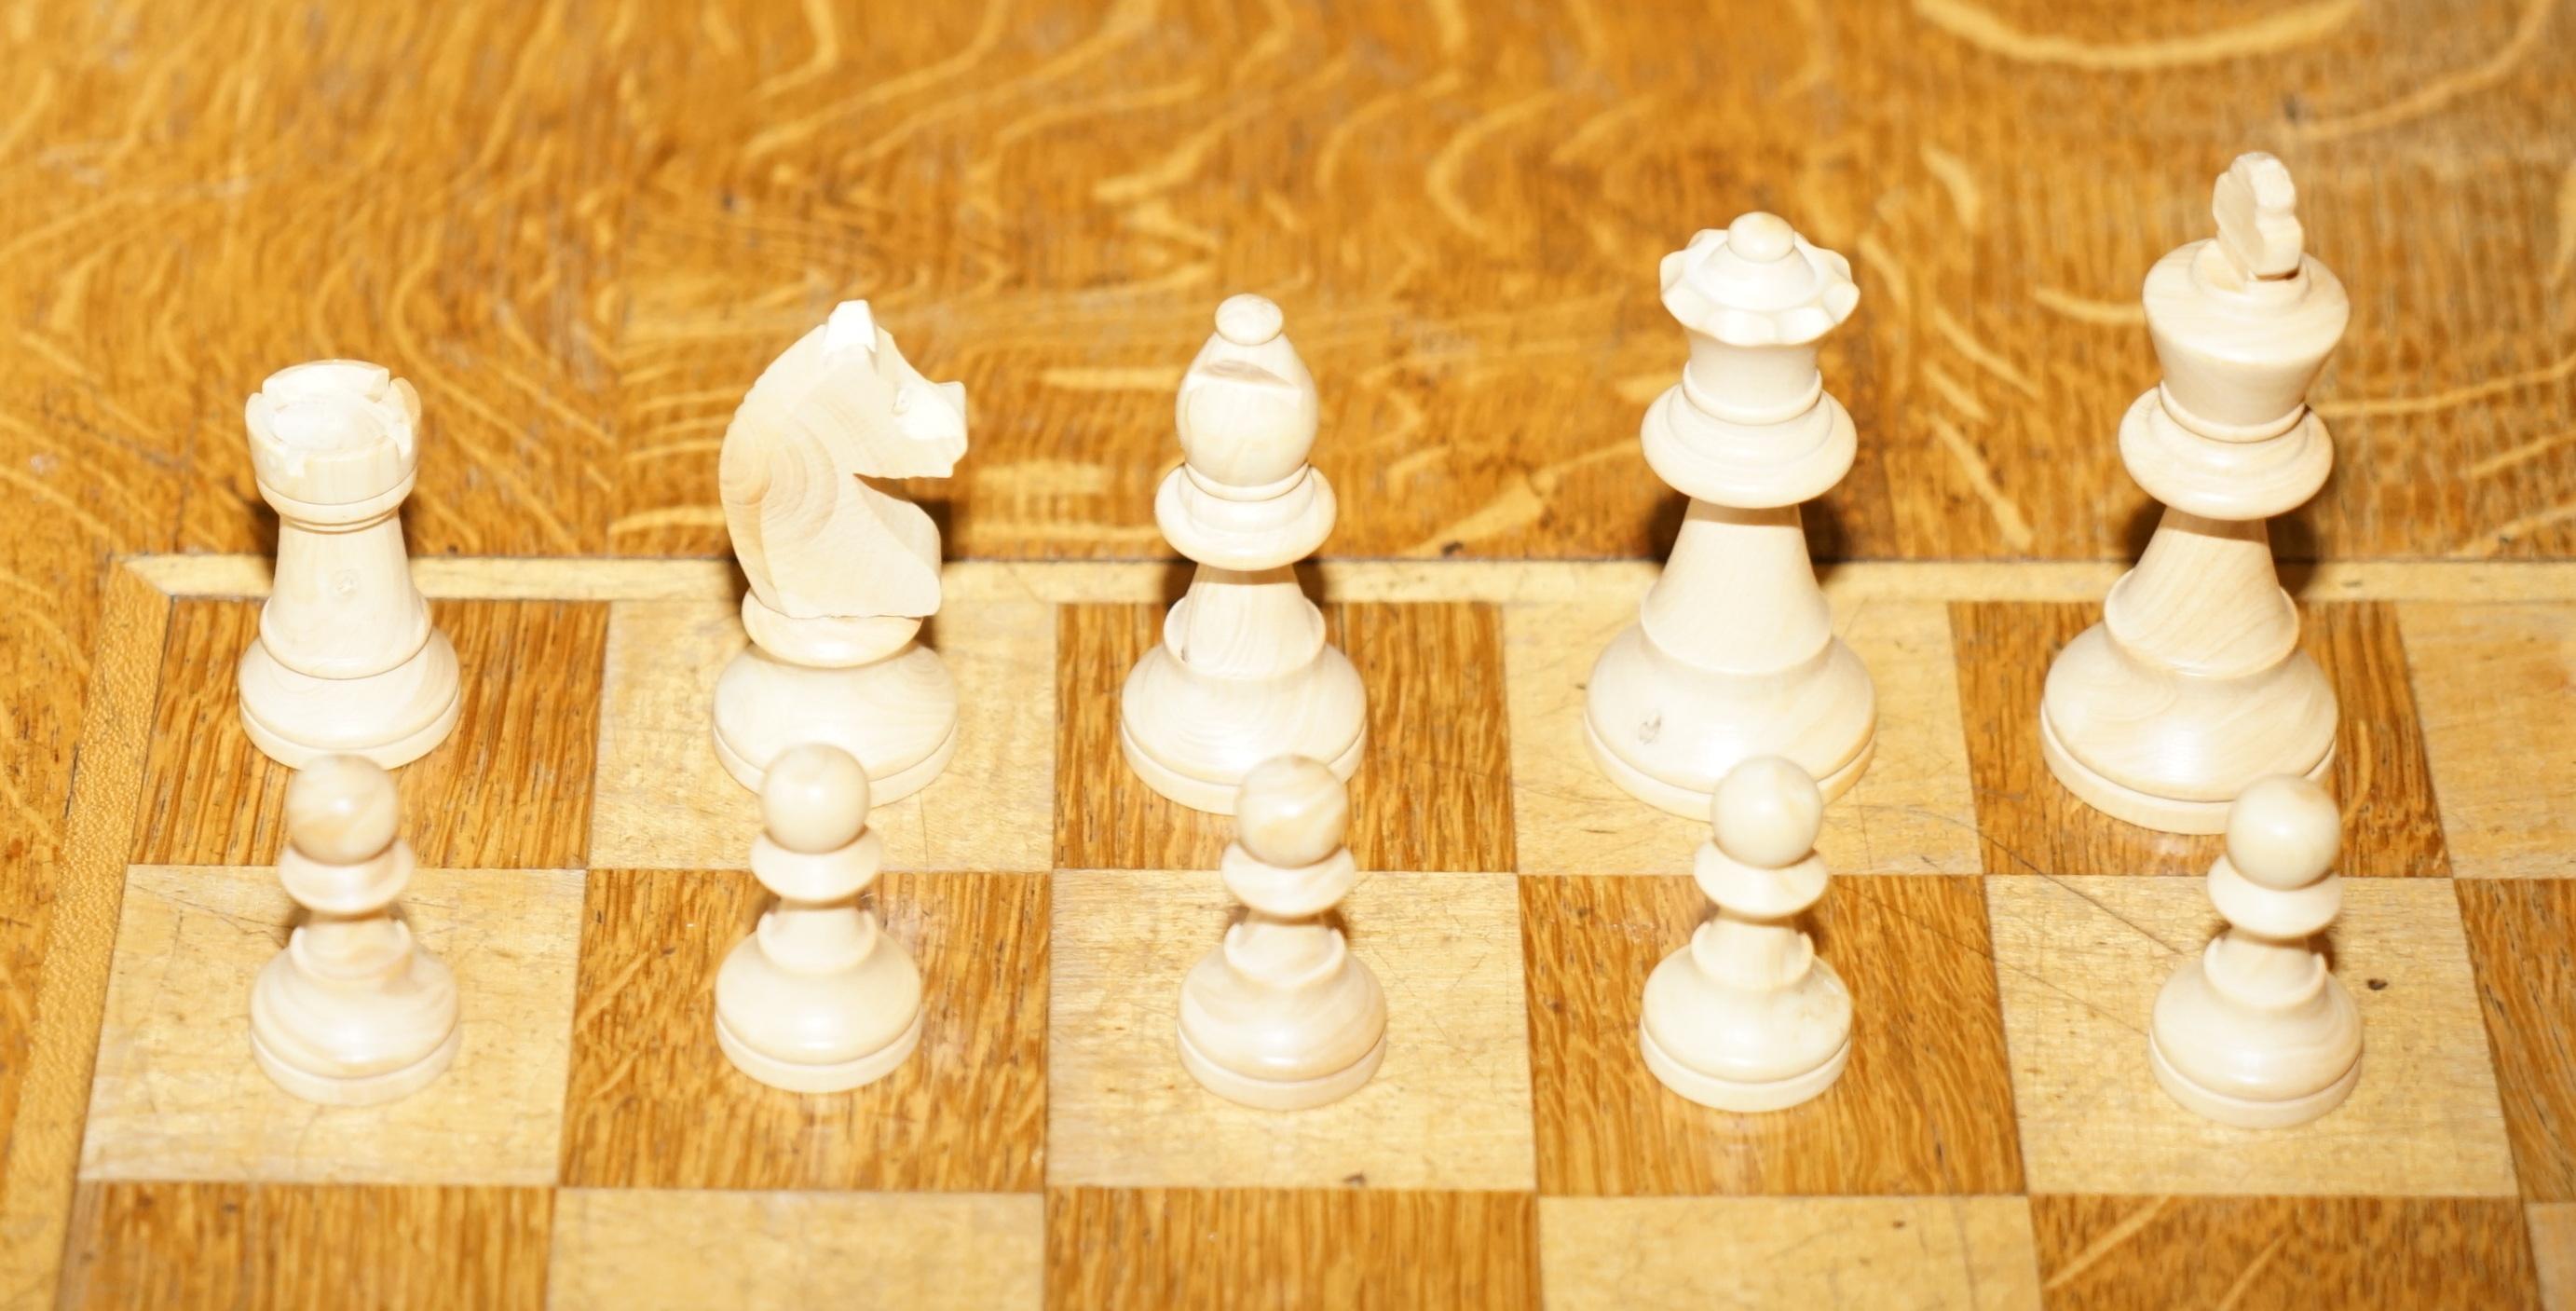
(2247, 1112)
(392, 718)
(365, 1090)
(1735, 1095)
(1276, 1094)
(804, 1077)
(896, 716)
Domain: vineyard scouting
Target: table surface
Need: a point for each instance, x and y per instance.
(581, 228)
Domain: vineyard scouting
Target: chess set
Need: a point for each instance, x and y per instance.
(863, 930)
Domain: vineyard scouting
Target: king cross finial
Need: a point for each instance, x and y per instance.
(2257, 208)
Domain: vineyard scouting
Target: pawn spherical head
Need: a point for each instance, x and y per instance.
(1761, 237)
(1767, 812)
(341, 810)
(2282, 832)
(1248, 320)
(814, 799)
(1292, 812)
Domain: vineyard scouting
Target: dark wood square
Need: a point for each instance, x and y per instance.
(653, 1103)
(1433, 790)
(2522, 943)
(509, 789)
(1925, 1106)
(1290, 1249)
(168, 1245)
(2030, 824)
(2282, 1253)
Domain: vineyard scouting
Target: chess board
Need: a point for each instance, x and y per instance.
(1997, 1140)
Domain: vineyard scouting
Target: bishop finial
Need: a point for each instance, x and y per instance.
(2257, 208)
(1247, 408)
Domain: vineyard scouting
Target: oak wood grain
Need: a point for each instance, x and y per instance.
(2480, 669)
(2114, 1253)
(314, 1246)
(1433, 791)
(1289, 1248)
(510, 788)
(581, 238)
(2031, 824)
(2522, 940)
(653, 1103)
(1925, 1106)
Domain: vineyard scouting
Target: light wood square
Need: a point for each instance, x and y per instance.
(2081, 960)
(1922, 1253)
(2504, 768)
(1911, 813)
(644, 1250)
(177, 1094)
(1449, 1108)
(663, 801)
(2553, 1244)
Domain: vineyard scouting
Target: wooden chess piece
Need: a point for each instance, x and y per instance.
(842, 574)
(818, 999)
(1733, 655)
(1243, 673)
(2255, 1031)
(353, 1012)
(1746, 1017)
(346, 659)
(2193, 685)
(1281, 1016)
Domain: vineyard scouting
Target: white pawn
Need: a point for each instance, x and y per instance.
(1745, 1018)
(1243, 673)
(1281, 1016)
(353, 1012)
(2255, 1031)
(818, 999)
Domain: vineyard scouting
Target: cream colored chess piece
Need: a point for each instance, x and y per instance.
(353, 1012)
(346, 659)
(1733, 655)
(1746, 1018)
(2255, 1031)
(2193, 685)
(842, 574)
(1243, 673)
(1281, 1015)
(818, 999)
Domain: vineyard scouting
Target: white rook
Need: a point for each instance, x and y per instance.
(346, 659)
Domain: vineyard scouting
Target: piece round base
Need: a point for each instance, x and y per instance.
(1214, 795)
(2246, 1112)
(430, 676)
(893, 787)
(803, 1077)
(367, 1090)
(896, 716)
(1280, 1095)
(2129, 805)
(1731, 1095)
(1694, 805)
